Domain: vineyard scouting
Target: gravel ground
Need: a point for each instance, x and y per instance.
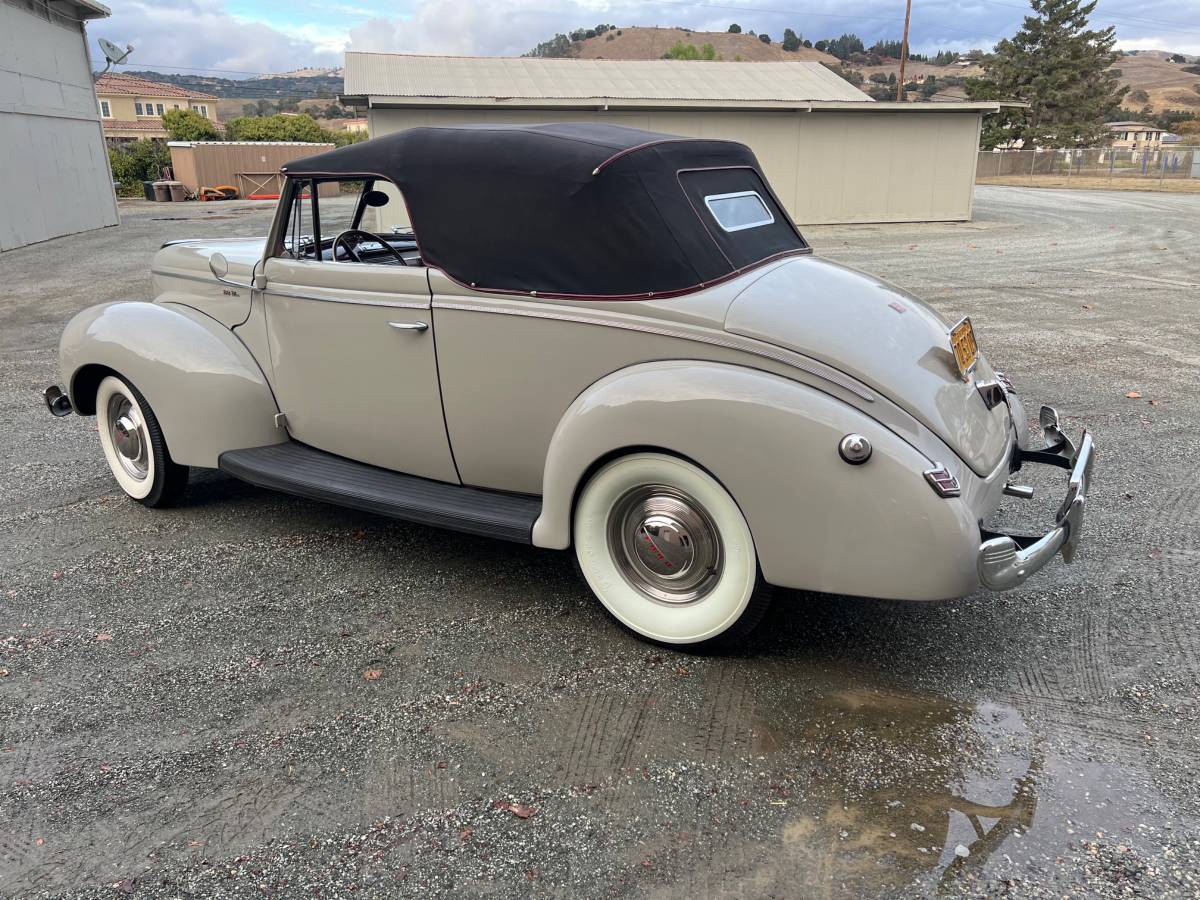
(184, 712)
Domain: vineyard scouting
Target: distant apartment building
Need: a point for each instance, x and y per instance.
(1136, 136)
(132, 108)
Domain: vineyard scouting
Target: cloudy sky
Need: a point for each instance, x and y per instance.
(241, 37)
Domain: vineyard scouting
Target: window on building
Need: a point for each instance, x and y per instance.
(201, 108)
(137, 105)
(160, 109)
(105, 109)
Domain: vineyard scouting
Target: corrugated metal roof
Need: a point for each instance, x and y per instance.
(657, 80)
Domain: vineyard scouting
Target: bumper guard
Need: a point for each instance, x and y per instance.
(1006, 561)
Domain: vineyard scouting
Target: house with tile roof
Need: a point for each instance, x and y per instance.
(132, 108)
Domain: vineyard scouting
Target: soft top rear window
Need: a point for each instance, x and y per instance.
(739, 210)
(740, 213)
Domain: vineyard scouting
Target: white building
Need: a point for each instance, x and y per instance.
(54, 173)
(832, 153)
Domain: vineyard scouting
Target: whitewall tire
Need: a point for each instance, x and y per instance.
(667, 551)
(134, 445)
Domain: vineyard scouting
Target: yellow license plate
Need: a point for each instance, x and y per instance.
(962, 342)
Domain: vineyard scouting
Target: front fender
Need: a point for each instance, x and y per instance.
(876, 529)
(205, 388)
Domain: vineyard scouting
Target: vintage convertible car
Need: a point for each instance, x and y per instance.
(579, 336)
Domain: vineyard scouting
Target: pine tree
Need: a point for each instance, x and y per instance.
(1057, 65)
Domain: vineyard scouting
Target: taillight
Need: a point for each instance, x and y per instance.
(943, 481)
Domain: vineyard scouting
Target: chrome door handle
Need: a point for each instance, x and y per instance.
(410, 326)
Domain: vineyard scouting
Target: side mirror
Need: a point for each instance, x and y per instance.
(219, 266)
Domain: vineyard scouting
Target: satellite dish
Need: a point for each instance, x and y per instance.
(114, 54)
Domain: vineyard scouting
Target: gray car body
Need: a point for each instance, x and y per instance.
(755, 379)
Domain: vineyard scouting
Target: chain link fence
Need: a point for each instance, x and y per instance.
(1172, 168)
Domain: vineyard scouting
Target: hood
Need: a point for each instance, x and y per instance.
(181, 275)
(882, 336)
(191, 257)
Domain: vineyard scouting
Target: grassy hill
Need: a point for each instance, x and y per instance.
(653, 43)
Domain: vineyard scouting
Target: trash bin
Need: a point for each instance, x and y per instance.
(162, 193)
(178, 191)
(148, 189)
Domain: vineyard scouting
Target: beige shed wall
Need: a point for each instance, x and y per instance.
(827, 166)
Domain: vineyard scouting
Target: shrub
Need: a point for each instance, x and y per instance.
(136, 162)
(189, 125)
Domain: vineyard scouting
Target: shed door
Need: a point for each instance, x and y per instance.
(353, 371)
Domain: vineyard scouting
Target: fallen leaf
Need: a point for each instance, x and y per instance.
(1155, 553)
(3, 673)
(465, 834)
(358, 534)
(126, 886)
(517, 809)
(1152, 402)
(40, 841)
(103, 636)
(373, 674)
(56, 574)
(1134, 395)
(681, 670)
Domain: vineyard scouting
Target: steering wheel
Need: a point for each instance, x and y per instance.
(360, 234)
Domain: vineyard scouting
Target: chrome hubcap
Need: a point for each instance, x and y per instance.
(665, 544)
(128, 434)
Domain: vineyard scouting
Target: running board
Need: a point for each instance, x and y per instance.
(296, 468)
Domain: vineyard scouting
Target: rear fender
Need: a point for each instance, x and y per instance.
(205, 387)
(818, 523)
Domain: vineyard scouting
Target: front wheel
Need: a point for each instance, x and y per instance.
(134, 445)
(667, 551)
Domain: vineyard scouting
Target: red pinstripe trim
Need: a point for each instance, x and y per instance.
(681, 140)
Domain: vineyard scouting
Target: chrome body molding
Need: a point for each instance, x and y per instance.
(727, 341)
(356, 301)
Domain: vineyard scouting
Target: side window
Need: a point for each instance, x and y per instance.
(322, 210)
(137, 107)
(105, 109)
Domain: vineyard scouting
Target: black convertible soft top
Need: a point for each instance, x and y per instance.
(575, 210)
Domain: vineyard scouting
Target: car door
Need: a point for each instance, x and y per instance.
(353, 362)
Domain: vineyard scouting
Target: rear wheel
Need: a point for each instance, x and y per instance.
(667, 551)
(134, 445)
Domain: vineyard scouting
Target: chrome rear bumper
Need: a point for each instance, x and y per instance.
(1005, 561)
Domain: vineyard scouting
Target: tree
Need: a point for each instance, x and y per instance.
(278, 128)
(791, 41)
(188, 125)
(136, 162)
(843, 46)
(558, 47)
(1177, 58)
(735, 28)
(765, 38)
(691, 51)
(851, 75)
(1059, 66)
(929, 87)
(878, 78)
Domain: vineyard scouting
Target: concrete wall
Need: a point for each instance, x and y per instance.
(54, 175)
(826, 166)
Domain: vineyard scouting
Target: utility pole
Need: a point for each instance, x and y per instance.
(900, 95)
